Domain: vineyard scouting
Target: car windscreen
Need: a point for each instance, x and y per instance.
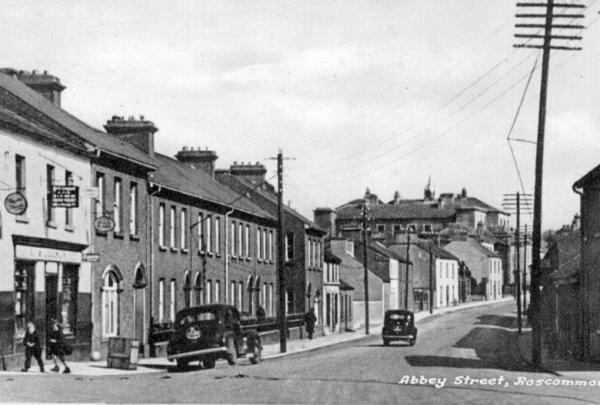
(395, 317)
(197, 317)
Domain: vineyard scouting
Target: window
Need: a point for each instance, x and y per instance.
(198, 287)
(427, 228)
(24, 294)
(172, 304)
(264, 244)
(380, 228)
(172, 218)
(240, 298)
(20, 179)
(258, 243)
(217, 291)
(201, 240)
(217, 243)
(289, 246)
(161, 300)
(318, 255)
(271, 245)
(110, 304)
(68, 211)
(183, 228)
(397, 229)
(209, 299)
(247, 241)
(117, 204)
(208, 236)
(232, 239)
(51, 216)
(240, 249)
(68, 301)
(101, 198)
(187, 290)
(290, 301)
(232, 293)
(133, 201)
(270, 300)
(161, 225)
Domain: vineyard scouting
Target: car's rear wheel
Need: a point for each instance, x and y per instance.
(209, 362)
(182, 364)
(231, 351)
(386, 342)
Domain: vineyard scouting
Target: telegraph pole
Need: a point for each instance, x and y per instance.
(525, 269)
(431, 286)
(546, 46)
(407, 262)
(281, 257)
(366, 271)
(517, 275)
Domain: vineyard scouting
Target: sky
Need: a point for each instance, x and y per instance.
(379, 94)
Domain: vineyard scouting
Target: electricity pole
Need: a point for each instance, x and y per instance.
(546, 46)
(431, 286)
(407, 263)
(281, 257)
(365, 262)
(525, 269)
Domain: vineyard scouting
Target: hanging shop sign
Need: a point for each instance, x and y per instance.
(64, 197)
(104, 224)
(15, 203)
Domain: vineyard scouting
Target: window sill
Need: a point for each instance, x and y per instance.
(51, 224)
(99, 233)
(118, 235)
(218, 255)
(185, 251)
(161, 247)
(22, 219)
(209, 254)
(174, 249)
(134, 237)
(69, 228)
(248, 259)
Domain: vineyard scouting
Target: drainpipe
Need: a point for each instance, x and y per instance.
(226, 254)
(150, 242)
(586, 305)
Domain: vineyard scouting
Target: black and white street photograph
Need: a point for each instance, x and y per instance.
(300, 202)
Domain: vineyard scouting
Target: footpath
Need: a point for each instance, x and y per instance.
(270, 351)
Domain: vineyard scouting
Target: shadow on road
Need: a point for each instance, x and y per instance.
(494, 343)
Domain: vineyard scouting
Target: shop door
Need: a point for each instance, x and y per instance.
(51, 289)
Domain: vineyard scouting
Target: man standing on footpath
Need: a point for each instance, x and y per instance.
(32, 347)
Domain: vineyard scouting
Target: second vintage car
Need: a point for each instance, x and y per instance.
(399, 325)
(210, 332)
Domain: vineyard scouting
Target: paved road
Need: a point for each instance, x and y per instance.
(477, 343)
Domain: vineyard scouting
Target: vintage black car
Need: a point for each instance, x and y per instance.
(399, 325)
(210, 332)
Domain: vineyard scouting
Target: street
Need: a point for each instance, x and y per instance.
(471, 356)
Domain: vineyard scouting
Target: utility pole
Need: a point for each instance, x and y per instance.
(407, 264)
(281, 257)
(515, 204)
(525, 269)
(431, 286)
(365, 262)
(546, 46)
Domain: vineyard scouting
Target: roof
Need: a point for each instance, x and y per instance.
(569, 254)
(384, 211)
(386, 252)
(437, 251)
(331, 258)
(93, 136)
(589, 176)
(475, 245)
(181, 177)
(344, 286)
(272, 198)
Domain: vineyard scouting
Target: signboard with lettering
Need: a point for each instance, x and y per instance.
(91, 257)
(15, 203)
(64, 197)
(35, 253)
(104, 224)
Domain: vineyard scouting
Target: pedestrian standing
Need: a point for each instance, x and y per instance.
(32, 347)
(57, 347)
(309, 322)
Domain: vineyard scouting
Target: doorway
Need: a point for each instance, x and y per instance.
(139, 304)
(51, 288)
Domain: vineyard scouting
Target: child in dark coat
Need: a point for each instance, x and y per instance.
(56, 346)
(32, 347)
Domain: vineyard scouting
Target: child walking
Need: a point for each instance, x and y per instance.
(56, 346)
(32, 347)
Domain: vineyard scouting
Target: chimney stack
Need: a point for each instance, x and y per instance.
(43, 83)
(325, 219)
(138, 132)
(198, 159)
(254, 173)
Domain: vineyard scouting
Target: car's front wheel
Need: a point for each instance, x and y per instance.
(209, 362)
(231, 351)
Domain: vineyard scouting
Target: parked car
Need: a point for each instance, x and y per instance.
(210, 332)
(399, 324)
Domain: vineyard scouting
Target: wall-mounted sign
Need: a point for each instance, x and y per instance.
(104, 224)
(15, 203)
(92, 192)
(91, 257)
(64, 197)
(47, 254)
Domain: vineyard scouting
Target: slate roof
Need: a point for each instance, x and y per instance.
(589, 176)
(344, 286)
(272, 198)
(180, 177)
(93, 136)
(437, 251)
(477, 246)
(384, 211)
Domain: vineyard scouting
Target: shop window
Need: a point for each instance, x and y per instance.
(70, 286)
(24, 295)
(110, 304)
